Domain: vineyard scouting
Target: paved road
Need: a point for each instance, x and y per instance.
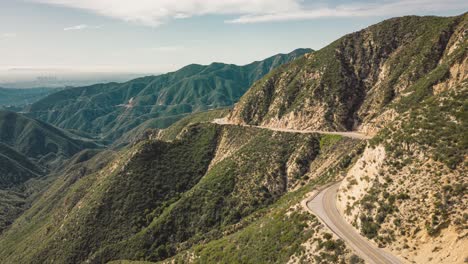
(324, 206)
(355, 135)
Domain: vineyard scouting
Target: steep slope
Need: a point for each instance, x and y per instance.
(408, 191)
(158, 198)
(403, 80)
(39, 141)
(109, 110)
(202, 192)
(29, 151)
(15, 168)
(350, 83)
(149, 127)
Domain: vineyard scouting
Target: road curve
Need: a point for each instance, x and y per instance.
(323, 205)
(355, 135)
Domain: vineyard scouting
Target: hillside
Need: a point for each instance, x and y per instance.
(109, 110)
(158, 198)
(39, 141)
(15, 168)
(29, 151)
(350, 83)
(408, 191)
(404, 82)
(202, 191)
(149, 127)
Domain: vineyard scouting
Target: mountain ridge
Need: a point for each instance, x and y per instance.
(31, 151)
(341, 87)
(403, 82)
(204, 191)
(109, 110)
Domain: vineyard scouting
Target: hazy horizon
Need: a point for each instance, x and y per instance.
(62, 78)
(69, 39)
(162, 36)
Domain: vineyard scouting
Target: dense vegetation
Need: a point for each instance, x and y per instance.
(39, 141)
(33, 147)
(160, 197)
(109, 110)
(29, 150)
(16, 168)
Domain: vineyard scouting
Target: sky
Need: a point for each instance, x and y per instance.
(155, 36)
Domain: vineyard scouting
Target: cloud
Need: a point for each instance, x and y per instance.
(385, 8)
(81, 27)
(157, 12)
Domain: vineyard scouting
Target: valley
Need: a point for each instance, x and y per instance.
(109, 110)
(352, 153)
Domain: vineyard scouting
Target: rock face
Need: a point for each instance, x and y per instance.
(349, 83)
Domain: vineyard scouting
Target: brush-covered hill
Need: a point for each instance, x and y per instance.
(408, 191)
(206, 193)
(348, 84)
(403, 80)
(163, 197)
(109, 110)
(39, 141)
(29, 151)
(16, 168)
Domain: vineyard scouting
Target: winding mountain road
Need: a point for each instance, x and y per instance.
(323, 204)
(355, 135)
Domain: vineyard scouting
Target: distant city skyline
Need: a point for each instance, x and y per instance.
(50, 36)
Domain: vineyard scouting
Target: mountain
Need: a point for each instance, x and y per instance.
(148, 128)
(404, 83)
(160, 197)
(30, 150)
(237, 189)
(415, 168)
(21, 97)
(39, 141)
(17, 172)
(16, 168)
(109, 110)
(349, 83)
